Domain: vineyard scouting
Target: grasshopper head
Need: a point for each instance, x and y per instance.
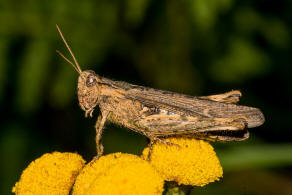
(87, 88)
(88, 91)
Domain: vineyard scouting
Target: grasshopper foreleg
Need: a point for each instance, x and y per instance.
(99, 127)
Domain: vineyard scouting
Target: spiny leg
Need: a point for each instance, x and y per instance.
(234, 130)
(229, 127)
(99, 127)
(153, 140)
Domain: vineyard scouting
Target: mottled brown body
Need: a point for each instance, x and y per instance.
(157, 113)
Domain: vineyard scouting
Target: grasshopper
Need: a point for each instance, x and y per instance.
(158, 114)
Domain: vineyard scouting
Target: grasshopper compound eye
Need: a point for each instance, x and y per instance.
(90, 80)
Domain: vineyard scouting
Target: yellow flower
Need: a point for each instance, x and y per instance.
(118, 173)
(50, 174)
(194, 163)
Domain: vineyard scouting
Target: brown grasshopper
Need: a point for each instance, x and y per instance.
(158, 114)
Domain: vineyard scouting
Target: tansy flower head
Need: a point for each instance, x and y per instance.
(118, 173)
(194, 163)
(51, 174)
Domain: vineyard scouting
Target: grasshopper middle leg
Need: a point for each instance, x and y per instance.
(153, 140)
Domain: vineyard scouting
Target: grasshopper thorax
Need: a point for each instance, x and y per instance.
(88, 91)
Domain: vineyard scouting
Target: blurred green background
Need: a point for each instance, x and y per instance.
(196, 47)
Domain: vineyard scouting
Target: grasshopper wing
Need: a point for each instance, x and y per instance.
(186, 105)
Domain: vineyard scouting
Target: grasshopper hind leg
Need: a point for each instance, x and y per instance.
(232, 131)
(228, 97)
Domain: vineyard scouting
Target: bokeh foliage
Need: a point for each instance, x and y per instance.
(197, 47)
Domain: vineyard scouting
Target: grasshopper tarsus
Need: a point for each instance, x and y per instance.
(167, 143)
(153, 140)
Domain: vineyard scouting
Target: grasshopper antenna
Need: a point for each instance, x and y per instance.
(58, 52)
(76, 65)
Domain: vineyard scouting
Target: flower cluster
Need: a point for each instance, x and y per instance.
(118, 174)
(193, 163)
(52, 174)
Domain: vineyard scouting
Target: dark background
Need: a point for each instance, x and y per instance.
(196, 47)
